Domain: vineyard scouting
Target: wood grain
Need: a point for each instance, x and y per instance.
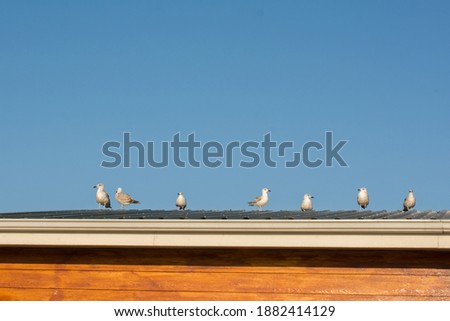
(102, 295)
(222, 274)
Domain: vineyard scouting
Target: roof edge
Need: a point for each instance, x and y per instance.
(385, 234)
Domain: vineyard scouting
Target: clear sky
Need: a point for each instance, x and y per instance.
(77, 74)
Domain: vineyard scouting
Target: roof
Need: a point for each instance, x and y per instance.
(231, 214)
(265, 229)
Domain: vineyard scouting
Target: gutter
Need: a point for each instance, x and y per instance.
(376, 234)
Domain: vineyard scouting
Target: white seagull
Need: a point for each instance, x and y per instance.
(181, 201)
(307, 204)
(363, 197)
(410, 201)
(102, 197)
(262, 200)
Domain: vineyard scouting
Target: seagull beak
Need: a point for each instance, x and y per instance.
(95, 186)
(269, 190)
(312, 196)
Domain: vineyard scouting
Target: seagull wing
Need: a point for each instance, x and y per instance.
(256, 200)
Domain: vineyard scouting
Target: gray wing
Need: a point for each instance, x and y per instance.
(256, 200)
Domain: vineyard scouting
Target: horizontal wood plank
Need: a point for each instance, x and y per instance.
(223, 274)
(12, 268)
(11, 294)
(230, 282)
(229, 257)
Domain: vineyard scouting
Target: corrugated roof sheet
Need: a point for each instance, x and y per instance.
(231, 215)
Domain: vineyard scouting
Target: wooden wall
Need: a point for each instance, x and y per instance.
(222, 274)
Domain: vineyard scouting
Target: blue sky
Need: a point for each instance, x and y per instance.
(76, 74)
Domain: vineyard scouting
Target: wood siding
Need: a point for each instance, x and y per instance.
(222, 274)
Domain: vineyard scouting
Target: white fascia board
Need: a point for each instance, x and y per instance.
(388, 234)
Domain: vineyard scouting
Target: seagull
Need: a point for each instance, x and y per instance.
(409, 202)
(262, 200)
(363, 197)
(102, 197)
(124, 199)
(181, 201)
(307, 203)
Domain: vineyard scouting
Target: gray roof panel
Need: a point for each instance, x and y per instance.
(231, 215)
